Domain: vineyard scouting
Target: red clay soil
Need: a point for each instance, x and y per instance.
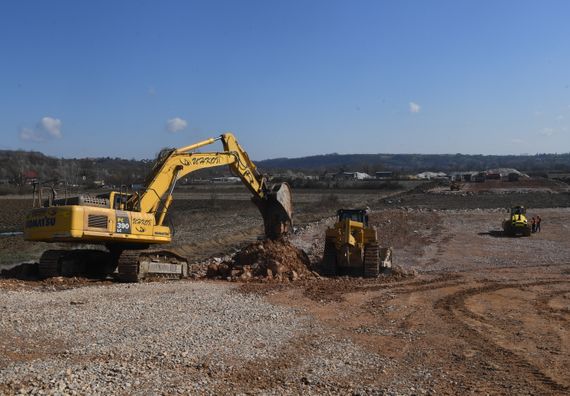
(265, 260)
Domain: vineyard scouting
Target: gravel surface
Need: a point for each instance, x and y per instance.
(165, 338)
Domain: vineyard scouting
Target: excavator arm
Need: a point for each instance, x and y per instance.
(274, 203)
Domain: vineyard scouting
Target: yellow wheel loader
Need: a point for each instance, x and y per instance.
(127, 224)
(351, 247)
(517, 223)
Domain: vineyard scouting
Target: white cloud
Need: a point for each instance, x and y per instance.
(559, 117)
(28, 134)
(518, 141)
(546, 132)
(414, 107)
(176, 124)
(52, 126)
(46, 129)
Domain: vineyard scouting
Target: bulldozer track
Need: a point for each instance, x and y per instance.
(371, 260)
(329, 259)
(452, 308)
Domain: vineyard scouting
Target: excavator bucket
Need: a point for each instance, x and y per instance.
(276, 209)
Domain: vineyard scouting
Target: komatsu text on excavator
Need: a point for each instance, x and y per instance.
(127, 224)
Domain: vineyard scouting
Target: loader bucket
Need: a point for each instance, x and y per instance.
(276, 209)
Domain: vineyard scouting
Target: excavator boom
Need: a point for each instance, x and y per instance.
(274, 202)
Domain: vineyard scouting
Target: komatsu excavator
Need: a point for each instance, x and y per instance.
(127, 224)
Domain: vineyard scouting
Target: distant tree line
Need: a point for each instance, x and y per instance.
(16, 167)
(408, 163)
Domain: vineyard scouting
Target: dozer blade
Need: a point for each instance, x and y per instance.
(276, 210)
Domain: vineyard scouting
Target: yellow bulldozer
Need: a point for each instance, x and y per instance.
(128, 223)
(351, 247)
(517, 223)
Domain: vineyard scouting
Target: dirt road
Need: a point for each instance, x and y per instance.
(484, 315)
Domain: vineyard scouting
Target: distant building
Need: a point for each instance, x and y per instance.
(225, 179)
(384, 175)
(505, 174)
(30, 177)
(467, 176)
(431, 175)
(352, 176)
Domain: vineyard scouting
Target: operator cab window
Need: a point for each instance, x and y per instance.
(354, 216)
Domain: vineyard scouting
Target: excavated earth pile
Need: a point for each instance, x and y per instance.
(265, 260)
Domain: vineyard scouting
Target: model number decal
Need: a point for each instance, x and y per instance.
(123, 225)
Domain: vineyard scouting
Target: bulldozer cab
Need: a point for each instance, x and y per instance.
(360, 215)
(518, 210)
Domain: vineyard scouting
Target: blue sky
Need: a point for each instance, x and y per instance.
(289, 78)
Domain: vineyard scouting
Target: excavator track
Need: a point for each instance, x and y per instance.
(75, 262)
(128, 266)
(49, 263)
(134, 266)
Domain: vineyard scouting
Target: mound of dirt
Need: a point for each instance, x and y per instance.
(264, 260)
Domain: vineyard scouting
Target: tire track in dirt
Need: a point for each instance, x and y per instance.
(447, 307)
(333, 289)
(443, 281)
(542, 305)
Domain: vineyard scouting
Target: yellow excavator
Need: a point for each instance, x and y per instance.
(128, 223)
(351, 247)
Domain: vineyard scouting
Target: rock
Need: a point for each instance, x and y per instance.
(294, 275)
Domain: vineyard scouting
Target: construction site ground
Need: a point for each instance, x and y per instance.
(468, 311)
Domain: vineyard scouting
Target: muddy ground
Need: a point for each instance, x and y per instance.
(478, 313)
